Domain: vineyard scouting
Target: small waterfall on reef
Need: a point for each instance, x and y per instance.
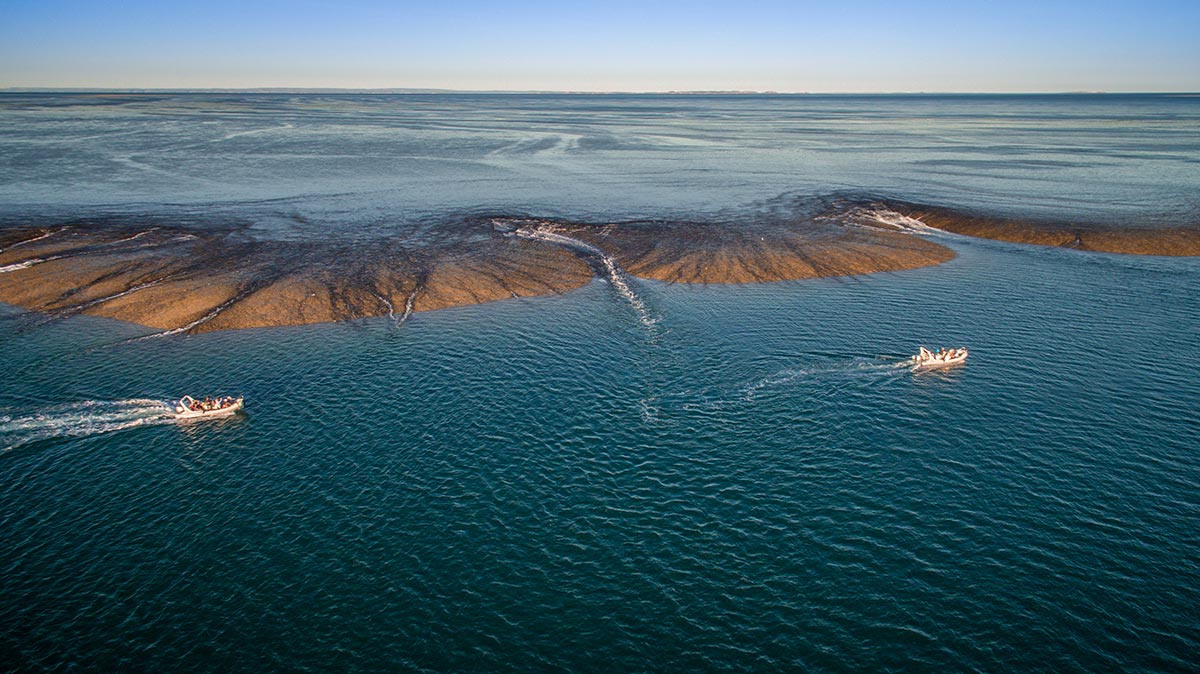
(879, 215)
(540, 230)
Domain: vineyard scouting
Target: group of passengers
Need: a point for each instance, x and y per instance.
(942, 354)
(210, 404)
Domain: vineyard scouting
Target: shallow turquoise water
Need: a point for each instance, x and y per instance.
(741, 478)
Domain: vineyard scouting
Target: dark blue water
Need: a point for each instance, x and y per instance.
(744, 478)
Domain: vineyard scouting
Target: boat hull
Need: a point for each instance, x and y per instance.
(919, 364)
(189, 415)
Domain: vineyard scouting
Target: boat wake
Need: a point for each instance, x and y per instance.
(845, 371)
(79, 419)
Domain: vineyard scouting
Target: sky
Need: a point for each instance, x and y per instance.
(617, 45)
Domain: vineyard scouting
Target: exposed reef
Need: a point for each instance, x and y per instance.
(190, 281)
(179, 279)
(1175, 241)
(198, 280)
(758, 252)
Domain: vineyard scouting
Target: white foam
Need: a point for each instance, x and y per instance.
(614, 274)
(880, 215)
(21, 265)
(131, 238)
(199, 321)
(79, 419)
(36, 238)
(109, 298)
(387, 303)
(749, 393)
(408, 305)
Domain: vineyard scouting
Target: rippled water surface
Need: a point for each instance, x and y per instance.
(649, 478)
(754, 481)
(315, 165)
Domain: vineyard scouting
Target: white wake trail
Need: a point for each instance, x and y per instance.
(837, 372)
(79, 419)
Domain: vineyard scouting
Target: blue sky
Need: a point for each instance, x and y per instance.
(867, 46)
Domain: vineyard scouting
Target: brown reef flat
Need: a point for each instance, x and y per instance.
(1174, 241)
(183, 280)
(187, 281)
(758, 252)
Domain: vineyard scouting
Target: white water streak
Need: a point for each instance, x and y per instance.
(883, 366)
(615, 275)
(199, 321)
(109, 298)
(89, 417)
(130, 238)
(391, 310)
(25, 264)
(408, 306)
(875, 216)
(36, 238)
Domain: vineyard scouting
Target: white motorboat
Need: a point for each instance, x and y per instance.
(929, 360)
(209, 408)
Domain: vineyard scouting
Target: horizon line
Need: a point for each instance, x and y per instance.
(669, 92)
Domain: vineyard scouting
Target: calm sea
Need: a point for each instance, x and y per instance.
(724, 478)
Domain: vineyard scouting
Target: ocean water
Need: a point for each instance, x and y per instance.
(314, 165)
(673, 478)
